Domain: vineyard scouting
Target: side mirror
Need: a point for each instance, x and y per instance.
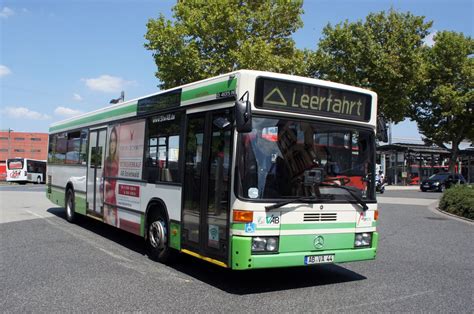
(243, 116)
(382, 134)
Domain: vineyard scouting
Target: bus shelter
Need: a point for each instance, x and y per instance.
(409, 164)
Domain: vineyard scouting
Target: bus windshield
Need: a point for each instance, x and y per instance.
(15, 164)
(275, 154)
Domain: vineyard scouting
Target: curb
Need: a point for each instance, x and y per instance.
(434, 208)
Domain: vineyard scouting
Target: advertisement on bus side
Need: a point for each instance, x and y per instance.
(124, 159)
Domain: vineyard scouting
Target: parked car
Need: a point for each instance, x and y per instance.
(441, 181)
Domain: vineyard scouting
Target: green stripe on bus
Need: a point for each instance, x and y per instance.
(142, 225)
(97, 117)
(175, 236)
(57, 196)
(242, 258)
(241, 250)
(305, 242)
(318, 226)
(238, 226)
(208, 90)
(80, 206)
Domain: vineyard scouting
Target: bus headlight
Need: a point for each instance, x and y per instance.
(264, 244)
(363, 239)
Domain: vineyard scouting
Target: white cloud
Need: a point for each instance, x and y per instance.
(77, 97)
(429, 40)
(107, 83)
(68, 112)
(4, 70)
(24, 113)
(6, 12)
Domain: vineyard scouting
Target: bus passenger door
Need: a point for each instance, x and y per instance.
(205, 218)
(95, 164)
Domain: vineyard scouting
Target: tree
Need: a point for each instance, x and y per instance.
(444, 105)
(208, 38)
(383, 54)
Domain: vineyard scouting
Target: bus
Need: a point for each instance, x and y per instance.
(246, 170)
(24, 170)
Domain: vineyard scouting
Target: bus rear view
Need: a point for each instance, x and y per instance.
(24, 170)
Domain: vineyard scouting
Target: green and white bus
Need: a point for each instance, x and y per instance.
(245, 170)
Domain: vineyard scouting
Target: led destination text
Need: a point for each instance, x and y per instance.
(330, 104)
(312, 99)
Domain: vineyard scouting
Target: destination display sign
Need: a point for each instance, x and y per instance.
(159, 102)
(312, 99)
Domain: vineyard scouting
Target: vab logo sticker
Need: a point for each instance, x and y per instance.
(318, 242)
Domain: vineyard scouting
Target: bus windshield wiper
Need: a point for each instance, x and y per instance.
(351, 192)
(302, 198)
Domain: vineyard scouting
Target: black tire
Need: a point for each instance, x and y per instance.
(70, 206)
(442, 188)
(423, 190)
(157, 238)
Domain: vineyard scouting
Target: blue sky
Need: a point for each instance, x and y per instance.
(62, 57)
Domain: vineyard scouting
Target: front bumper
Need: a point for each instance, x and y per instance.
(243, 259)
(429, 187)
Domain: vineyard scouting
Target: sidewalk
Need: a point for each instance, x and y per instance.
(401, 187)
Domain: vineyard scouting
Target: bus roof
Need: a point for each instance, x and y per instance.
(190, 93)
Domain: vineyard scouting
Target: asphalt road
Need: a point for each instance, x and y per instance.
(424, 263)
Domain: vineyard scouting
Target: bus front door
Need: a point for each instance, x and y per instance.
(95, 165)
(206, 196)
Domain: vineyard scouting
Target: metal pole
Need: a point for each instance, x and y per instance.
(9, 145)
(389, 133)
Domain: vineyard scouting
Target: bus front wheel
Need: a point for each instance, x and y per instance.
(157, 240)
(70, 215)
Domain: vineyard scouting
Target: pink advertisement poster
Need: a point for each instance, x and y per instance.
(123, 160)
(131, 137)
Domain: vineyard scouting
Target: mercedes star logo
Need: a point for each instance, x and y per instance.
(318, 242)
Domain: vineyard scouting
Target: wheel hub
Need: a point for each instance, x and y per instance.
(157, 234)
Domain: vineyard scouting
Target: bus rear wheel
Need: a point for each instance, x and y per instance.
(157, 240)
(38, 180)
(70, 206)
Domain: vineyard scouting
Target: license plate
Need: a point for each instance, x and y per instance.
(318, 259)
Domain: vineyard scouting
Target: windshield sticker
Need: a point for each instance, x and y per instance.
(253, 192)
(213, 236)
(250, 227)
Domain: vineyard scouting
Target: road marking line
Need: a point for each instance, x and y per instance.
(35, 214)
(119, 257)
(406, 201)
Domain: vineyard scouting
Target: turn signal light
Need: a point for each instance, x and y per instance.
(376, 214)
(242, 215)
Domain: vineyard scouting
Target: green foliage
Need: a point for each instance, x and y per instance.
(208, 38)
(444, 104)
(383, 53)
(459, 200)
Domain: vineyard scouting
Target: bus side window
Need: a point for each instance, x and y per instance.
(162, 148)
(83, 148)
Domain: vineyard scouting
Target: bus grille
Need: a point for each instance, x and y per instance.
(320, 217)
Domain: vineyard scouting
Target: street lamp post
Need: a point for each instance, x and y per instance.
(9, 140)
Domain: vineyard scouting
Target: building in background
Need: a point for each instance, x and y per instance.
(21, 144)
(409, 164)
